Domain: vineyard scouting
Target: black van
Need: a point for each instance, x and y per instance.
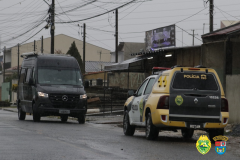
(51, 84)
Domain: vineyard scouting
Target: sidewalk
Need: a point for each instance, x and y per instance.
(92, 116)
(14, 109)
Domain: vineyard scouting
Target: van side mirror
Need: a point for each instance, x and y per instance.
(31, 82)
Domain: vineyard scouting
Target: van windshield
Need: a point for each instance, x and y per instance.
(59, 76)
(196, 81)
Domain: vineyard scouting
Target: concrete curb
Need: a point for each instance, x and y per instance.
(89, 111)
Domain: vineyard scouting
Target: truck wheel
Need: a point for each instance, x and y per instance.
(151, 130)
(36, 116)
(64, 118)
(128, 129)
(215, 132)
(187, 133)
(81, 119)
(21, 114)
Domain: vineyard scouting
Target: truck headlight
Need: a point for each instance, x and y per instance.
(41, 94)
(83, 96)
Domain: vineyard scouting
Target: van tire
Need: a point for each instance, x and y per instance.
(36, 116)
(21, 113)
(81, 119)
(128, 129)
(151, 130)
(64, 118)
(215, 132)
(187, 133)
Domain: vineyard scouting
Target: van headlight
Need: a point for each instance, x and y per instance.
(41, 94)
(83, 96)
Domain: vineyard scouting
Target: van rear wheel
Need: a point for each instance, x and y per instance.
(21, 113)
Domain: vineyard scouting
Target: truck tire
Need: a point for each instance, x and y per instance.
(64, 118)
(187, 133)
(151, 130)
(215, 132)
(81, 119)
(128, 129)
(21, 113)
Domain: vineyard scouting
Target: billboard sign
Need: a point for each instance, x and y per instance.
(160, 37)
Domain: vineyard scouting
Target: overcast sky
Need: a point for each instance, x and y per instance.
(21, 19)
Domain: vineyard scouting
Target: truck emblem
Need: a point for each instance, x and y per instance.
(196, 100)
(65, 98)
(179, 100)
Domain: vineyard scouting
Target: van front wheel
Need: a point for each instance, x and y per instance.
(36, 116)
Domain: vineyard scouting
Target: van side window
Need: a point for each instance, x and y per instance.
(29, 72)
(22, 76)
(33, 74)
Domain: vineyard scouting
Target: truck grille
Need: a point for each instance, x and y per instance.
(69, 100)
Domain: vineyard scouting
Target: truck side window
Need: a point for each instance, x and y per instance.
(22, 76)
(149, 86)
(140, 90)
(29, 72)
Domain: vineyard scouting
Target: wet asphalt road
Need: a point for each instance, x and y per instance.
(51, 139)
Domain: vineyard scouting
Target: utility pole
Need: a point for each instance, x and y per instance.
(84, 45)
(116, 37)
(193, 36)
(4, 63)
(42, 44)
(34, 46)
(52, 25)
(211, 15)
(18, 62)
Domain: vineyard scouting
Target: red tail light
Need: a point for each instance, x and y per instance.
(224, 105)
(163, 102)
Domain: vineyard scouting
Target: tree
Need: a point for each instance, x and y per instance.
(73, 51)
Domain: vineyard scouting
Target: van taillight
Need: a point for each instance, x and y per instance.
(163, 102)
(224, 105)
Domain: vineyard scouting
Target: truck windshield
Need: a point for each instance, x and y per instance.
(195, 81)
(59, 76)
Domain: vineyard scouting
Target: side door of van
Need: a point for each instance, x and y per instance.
(21, 89)
(28, 88)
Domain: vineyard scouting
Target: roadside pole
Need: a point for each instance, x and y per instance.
(4, 53)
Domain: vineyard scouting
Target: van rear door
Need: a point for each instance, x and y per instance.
(195, 97)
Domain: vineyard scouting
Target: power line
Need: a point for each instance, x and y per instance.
(98, 14)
